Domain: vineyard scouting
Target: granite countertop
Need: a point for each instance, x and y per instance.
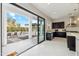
(73, 34)
(73, 31)
(76, 34)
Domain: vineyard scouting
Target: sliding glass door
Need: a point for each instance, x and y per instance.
(41, 30)
(21, 30)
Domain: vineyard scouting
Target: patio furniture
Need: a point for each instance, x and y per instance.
(23, 36)
(8, 34)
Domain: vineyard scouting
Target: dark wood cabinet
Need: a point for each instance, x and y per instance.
(59, 34)
(71, 43)
(58, 25)
(49, 36)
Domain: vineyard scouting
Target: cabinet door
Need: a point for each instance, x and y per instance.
(48, 36)
(71, 42)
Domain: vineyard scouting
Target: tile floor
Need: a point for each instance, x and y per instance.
(56, 47)
(19, 46)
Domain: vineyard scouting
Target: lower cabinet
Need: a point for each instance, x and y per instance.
(71, 43)
(59, 34)
(49, 36)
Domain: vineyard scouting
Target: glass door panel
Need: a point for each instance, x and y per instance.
(34, 30)
(19, 30)
(17, 33)
(41, 30)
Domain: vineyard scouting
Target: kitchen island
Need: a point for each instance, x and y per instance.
(76, 35)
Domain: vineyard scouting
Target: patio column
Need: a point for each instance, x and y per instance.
(30, 28)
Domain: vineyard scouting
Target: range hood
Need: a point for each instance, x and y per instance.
(72, 22)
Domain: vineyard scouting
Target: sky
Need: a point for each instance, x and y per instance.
(20, 19)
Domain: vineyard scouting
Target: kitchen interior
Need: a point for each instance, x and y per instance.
(68, 29)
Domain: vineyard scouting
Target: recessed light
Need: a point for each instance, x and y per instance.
(78, 19)
(48, 3)
(75, 21)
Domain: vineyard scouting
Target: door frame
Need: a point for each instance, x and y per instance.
(43, 30)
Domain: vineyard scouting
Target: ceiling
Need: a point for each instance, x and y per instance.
(58, 10)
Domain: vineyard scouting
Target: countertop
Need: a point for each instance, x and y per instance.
(77, 41)
(73, 34)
